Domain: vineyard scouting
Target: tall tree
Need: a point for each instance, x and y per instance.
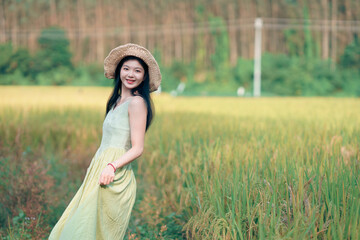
(333, 32)
(325, 37)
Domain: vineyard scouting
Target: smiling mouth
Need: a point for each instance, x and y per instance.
(130, 81)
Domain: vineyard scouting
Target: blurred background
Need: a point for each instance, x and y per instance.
(214, 167)
(204, 47)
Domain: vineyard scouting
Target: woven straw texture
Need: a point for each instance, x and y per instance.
(131, 49)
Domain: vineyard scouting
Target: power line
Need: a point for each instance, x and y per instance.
(199, 28)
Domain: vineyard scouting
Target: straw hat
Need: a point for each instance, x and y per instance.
(130, 49)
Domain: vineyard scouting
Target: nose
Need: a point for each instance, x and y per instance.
(131, 74)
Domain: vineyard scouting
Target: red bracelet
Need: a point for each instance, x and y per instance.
(112, 166)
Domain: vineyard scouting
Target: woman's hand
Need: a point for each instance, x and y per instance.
(107, 175)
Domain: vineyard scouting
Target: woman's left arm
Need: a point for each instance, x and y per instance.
(137, 118)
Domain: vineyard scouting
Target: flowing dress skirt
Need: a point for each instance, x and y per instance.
(99, 212)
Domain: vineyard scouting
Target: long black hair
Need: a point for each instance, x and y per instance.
(142, 90)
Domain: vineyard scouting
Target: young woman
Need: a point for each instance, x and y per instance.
(102, 206)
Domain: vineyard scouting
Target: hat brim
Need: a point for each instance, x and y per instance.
(131, 49)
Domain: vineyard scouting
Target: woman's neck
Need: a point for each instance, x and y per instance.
(125, 93)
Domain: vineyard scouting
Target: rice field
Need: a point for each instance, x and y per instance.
(213, 168)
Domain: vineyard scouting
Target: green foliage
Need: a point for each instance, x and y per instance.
(56, 76)
(291, 77)
(90, 75)
(23, 199)
(54, 51)
(309, 44)
(287, 76)
(172, 76)
(301, 42)
(51, 65)
(282, 75)
(200, 41)
(301, 73)
(169, 228)
(220, 58)
(351, 56)
(23, 227)
(243, 73)
(21, 61)
(6, 52)
(178, 70)
(12, 62)
(351, 82)
(294, 42)
(15, 78)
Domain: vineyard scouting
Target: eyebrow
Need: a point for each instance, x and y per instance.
(135, 67)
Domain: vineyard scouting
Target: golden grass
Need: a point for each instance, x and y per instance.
(331, 109)
(225, 168)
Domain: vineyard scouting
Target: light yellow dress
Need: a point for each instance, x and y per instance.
(102, 212)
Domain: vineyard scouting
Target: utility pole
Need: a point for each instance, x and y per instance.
(257, 57)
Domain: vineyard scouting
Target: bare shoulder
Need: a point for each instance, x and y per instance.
(137, 103)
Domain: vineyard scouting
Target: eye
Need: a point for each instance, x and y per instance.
(125, 68)
(139, 71)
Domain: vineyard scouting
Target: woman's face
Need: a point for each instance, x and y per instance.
(131, 74)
